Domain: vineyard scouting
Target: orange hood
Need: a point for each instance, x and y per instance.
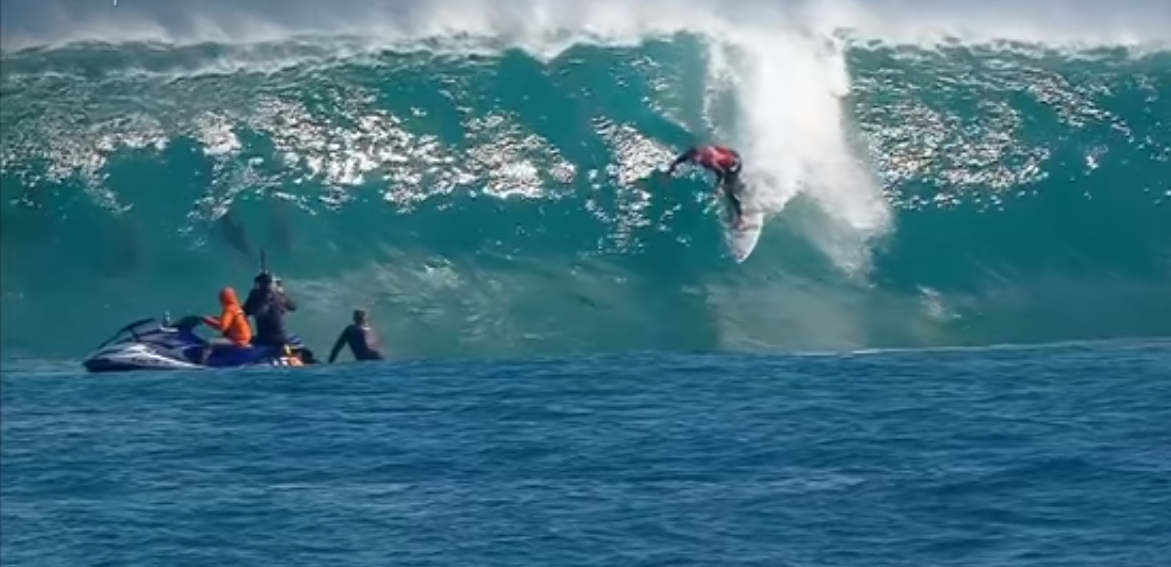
(228, 297)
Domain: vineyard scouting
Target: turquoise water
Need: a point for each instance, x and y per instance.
(499, 203)
(582, 375)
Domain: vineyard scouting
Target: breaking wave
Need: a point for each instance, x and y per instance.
(482, 180)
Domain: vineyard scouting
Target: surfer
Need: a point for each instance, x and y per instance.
(725, 163)
(360, 337)
(268, 304)
(232, 323)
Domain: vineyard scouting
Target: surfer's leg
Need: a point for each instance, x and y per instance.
(732, 190)
(735, 200)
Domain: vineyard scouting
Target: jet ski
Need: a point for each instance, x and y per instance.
(153, 344)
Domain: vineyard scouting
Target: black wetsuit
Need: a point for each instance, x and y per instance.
(730, 180)
(362, 342)
(268, 307)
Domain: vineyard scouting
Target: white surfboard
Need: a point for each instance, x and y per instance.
(742, 241)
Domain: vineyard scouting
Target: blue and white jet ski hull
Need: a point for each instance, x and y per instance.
(149, 344)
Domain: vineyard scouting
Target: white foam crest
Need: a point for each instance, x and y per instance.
(1054, 23)
(530, 23)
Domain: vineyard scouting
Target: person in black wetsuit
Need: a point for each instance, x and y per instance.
(360, 337)
(268, 304)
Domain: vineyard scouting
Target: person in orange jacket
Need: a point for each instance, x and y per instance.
(232, 323)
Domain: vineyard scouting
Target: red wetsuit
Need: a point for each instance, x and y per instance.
(722, 161)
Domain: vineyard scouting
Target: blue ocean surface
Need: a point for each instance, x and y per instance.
(1045, 456)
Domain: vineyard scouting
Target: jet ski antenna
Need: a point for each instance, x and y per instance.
(263, 262)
